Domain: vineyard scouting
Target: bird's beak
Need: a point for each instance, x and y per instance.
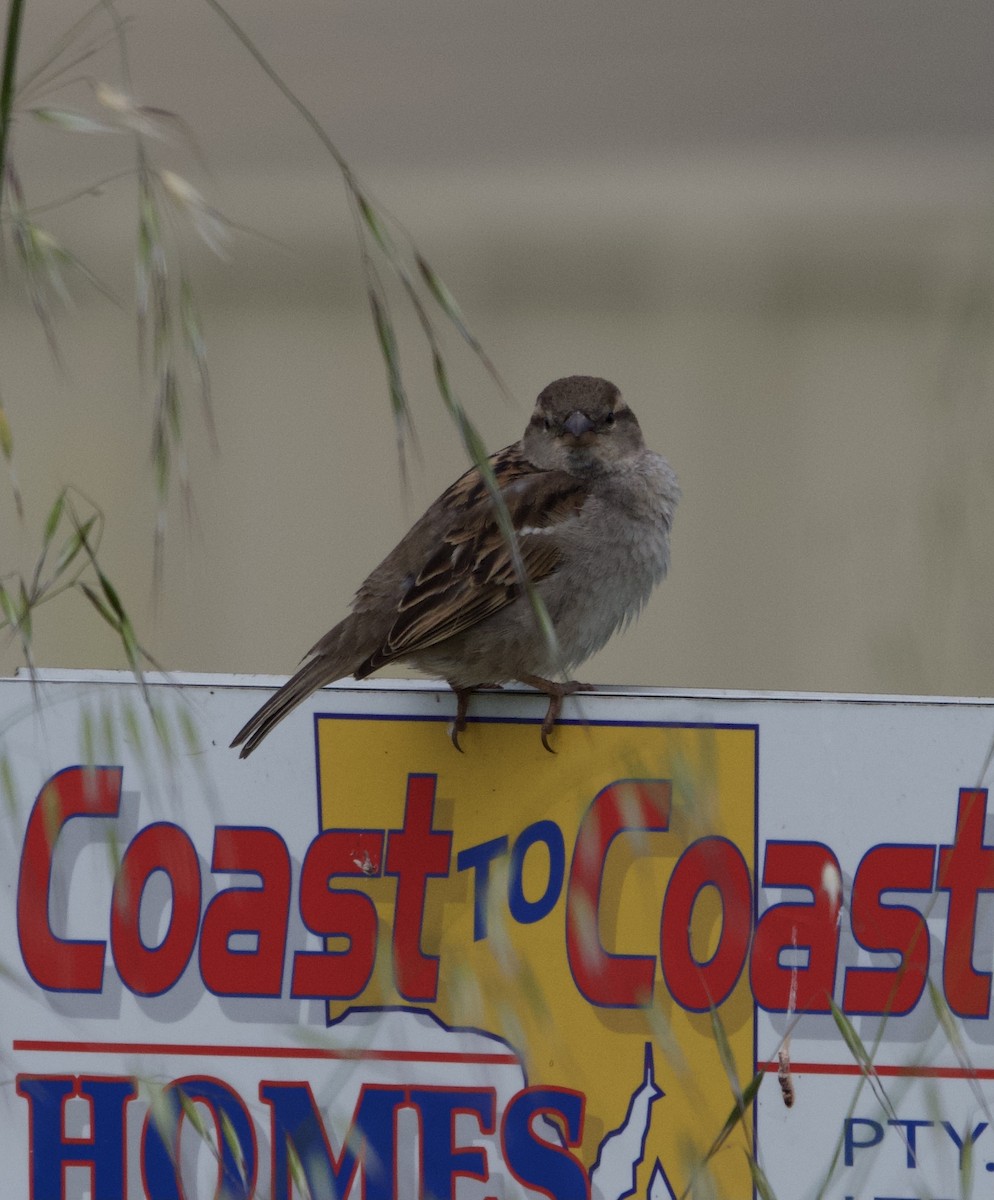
(577, 424)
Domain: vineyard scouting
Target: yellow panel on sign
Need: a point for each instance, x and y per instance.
(591, 908)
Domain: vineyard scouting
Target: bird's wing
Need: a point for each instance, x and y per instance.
(469, 572)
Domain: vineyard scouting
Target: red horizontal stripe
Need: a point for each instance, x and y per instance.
(920, 1072)
(438, 1056)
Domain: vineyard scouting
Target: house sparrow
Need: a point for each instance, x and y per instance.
(592, 509)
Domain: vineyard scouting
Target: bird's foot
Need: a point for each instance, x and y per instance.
(556, 693)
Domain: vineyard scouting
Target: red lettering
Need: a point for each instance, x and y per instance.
(334, 913)
(966, 868)
(605, 978)
(258, 912)
(889, 928)
(60, 964)
(152, 970)
(710, 862)
(414, 854)
(811, 927)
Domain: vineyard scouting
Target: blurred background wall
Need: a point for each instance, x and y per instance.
(771, 224)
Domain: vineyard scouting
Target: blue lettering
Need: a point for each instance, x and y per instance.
(369, 1144)
(910, 1134)
(441, 1161)
(479, 859)
(540, 1164)
(232, 1124)
(525, 911)
(849, 1135)
(958, 1141)
(50, 1151)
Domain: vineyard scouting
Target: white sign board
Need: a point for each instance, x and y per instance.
(716, 943)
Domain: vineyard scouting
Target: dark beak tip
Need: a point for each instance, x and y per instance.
(577, 424)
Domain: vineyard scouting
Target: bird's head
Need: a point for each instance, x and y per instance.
(581, 423)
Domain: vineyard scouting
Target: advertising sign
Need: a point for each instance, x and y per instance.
(716, 945)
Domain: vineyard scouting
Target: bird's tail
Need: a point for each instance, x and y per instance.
(322, 668)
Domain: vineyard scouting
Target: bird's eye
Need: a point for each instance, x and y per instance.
(548, 423)
(609, 419)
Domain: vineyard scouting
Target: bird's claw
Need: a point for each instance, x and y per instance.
(551, 717)
(556, 692)
(458, 725)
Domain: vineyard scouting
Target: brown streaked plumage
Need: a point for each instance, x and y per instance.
(592, 509)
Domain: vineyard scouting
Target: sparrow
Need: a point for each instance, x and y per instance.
(591, 508)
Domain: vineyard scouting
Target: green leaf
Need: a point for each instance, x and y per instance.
(738, 1112)
(852, 1039)
(946, 1019)
(399, 404)
(6, 435)
(762, 1184)
(133, 729)
(7, 785)
(86, 737)
(189, 731)
(193, 1116)
(112, 597)
(196, 347)
(7, 604)
(54, 517)
(862, 1056)
(447, 303)
(24, 616)
(725, 1052)
(72, 545)
(375, 225)
(99, 605)
(734, 1118)
(234, 1145)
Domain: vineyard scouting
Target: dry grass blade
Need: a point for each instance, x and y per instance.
(56, 64)
(735, 1118)
(76, 566)
(31, 248)
(373, 225)
(72, 122)
(954, 1036)
(91, 189)
(196, 348)
(207, 222)
(863, 1058)
(478, 453)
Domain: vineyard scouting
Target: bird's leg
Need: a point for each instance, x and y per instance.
(556, 692)
(459, 723)
(462, 704)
